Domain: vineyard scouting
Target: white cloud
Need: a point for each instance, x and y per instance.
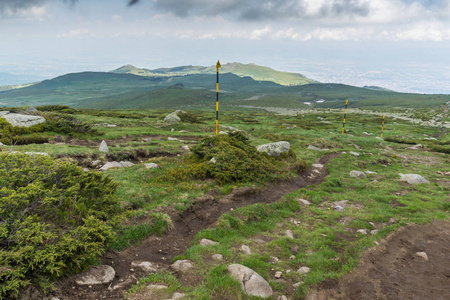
(258, 34)
(116, 18)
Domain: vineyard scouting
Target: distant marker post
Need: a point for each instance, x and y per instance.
(217, 98)
(345, 115)
(382, 127)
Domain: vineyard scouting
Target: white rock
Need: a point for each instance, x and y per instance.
(338, 208)
(145, 266)
(103, 147)
(358, 174)
(379, 138)
(246, 249)
(173, 117)
(303, 270)
(362, 231)
(126, 164)
(319, 166)
(413, 178)
(212, 160)
(274, 149)
(172, 139)
(22, 120)
(151, 166)
(147, 140)
(182, 265)
(206, 242)
(422, 254)
(310, 147)
(251, 282)
(217, 257)
(354, 153)
(156, 287)
(289, 234)
(416, 147)
(282, 297)
(306, 202)
(278, 274)
(370, 172)
(177, 296)
(185, 147)
(97, 275)
(110, 164)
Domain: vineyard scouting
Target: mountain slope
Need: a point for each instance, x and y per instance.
(256, 72)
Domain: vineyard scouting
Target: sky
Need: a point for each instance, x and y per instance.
(403, 45)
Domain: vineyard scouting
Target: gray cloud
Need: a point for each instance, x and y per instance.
(12, 7)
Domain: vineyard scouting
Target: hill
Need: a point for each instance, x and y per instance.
(254, 71)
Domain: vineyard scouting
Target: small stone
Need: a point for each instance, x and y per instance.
(182, 265)
(306, 202)
(246, 249)
(292, 257)
(147, 140)
(338, 208)
(354, 153)
(212, 160)
(358, 174)
(96, 163)
(156, 286)
(303, 270)
(319, 166)
(111, 125)
(126, 164)
(362, 231)
(185, 147)
(278, 274)
(218, 257)
(172, 139)
(172, 130)
(110, 164)
(97, 275)
(274, 259)
(310, 147)
(375, 231)
(296, 285)
(103, 147)
(413, 178)
(282, 297)
(289, 234)
(423, 255)
(206, 242)
(151, 166)
(145, 266)
(177, 296)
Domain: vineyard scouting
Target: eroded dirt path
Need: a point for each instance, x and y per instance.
(394, 270)
(203, 214)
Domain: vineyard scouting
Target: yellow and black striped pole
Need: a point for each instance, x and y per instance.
(382, 127)
(345, 115)
(217, 98)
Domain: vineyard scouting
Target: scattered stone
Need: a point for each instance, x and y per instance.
(289, 234)
(310, 147)
(365, 133)
(111, 125)
(218, 257)
(292, 257)
(110, 164)
(445, 173)
(172, 139)
(251, 282)
(375, 231)
(303, 270)
(147, 140)
(319, 166)
(354, 153)
(423, 255)
(362, 231)
(206, 242)
(246, 249)
(182, 265)
(96, 163)
(282, 297)
(370, 172)
(145, 266)
(274, 259)
(278, 274)
(21, 120)
(97, 275)
(126, 164)
(86, 170)
(296, 285)
(177, 296)
(212, 160)
(274, 149)
(338, 208)
(416, 147)
(103, 147)
(305, 202)
(413, 178)
(379, 138)
(156, 287)
(185, 147)
(173, 117)
(151, 166)
(172, 130)
(358, 174)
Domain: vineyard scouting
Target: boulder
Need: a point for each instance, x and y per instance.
(173, 117)
(109, 165)
(251, 282)
(274, 149)
(103, 147)
(126, 164)
(145, 266)
(151, 166)
(97, 275)
(413, 178)
(358, 174)
(21, 120)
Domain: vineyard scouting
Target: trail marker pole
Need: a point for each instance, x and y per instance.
(382, 127)
(217, 98)
(345, 115)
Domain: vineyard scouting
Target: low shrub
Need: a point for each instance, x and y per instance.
(55, 220)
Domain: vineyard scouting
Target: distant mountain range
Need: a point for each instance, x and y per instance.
(194, 87)
(251, 70)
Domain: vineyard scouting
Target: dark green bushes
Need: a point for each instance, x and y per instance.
(55, 220)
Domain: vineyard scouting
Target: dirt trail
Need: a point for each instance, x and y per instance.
(394, 270)
(204, 213)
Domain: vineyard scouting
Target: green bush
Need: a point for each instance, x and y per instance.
(55, 220)
(59, 108)
(66, 124)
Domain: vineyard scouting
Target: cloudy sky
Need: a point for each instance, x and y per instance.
(399, 44)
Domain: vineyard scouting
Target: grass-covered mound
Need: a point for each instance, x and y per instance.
(229, 158)
(55, 220)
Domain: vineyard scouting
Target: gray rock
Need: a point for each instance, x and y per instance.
(217, 257)
(338, 208)
(182, 265)
(289, 234)
(282, 297)
(251, 282)
(126, 164)
(416, 147)
(21, 120)
(147, 140)
(145, 266)
(413, 178)
(354, 153)
(97, 275)
(173, 117)
(303, 270)
(310, 147)
(422, 255)
(212, 160)
(379, 138)
(172, 139)
(177, 296)
(278, 274)
(358, 174)
(185, 147)
(274, 149)
(206, 242)
(109, 165)
(319, 166)
(103, 147)
(306, 202)
(151, 166)
(96, 163)
(246, 249)
(362, 231)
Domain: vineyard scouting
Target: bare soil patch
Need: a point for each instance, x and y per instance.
(393, 270)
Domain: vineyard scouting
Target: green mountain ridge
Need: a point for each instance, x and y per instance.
(254, 71)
